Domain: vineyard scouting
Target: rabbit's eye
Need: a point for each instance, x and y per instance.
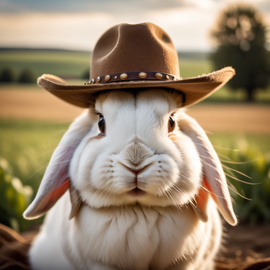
(171, 124)
(101, 124)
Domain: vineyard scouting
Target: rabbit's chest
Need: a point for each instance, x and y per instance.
(134, 237)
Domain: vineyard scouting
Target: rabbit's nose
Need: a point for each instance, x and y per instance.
(136, 171)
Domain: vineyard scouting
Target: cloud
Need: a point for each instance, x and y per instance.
(187, 21)
(85, 6)
(79, 31)
(187, 26)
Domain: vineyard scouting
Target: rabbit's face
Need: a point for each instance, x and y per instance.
(136, 153)
(140, 149)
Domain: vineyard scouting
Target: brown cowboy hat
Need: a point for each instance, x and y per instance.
(132, 56)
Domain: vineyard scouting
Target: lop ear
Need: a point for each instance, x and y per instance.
(215, 180)
(56, 178)
(201, 201)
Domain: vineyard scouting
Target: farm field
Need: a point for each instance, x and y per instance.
(40, 105)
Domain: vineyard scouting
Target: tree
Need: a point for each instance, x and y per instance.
(7, 75)
(240, 34)
(27, 76)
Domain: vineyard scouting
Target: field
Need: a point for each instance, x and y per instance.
(32, 123)
(53, 62)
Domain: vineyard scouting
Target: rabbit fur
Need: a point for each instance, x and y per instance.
(100, 223)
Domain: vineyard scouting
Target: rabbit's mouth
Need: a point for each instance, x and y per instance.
(136, 192)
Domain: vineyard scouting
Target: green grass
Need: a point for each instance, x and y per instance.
(193, 68)
(59, 63)
(27, 146)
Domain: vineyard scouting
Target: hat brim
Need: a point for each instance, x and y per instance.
(195, 89)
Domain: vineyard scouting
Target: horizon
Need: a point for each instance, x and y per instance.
(82, 50)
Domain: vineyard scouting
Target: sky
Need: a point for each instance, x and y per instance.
(77, 25)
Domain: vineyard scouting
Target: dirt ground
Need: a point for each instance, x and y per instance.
(243, 246)
(40, 105)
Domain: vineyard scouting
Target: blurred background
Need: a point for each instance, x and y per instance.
(57, 37)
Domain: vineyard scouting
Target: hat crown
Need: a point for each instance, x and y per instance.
(134, 47)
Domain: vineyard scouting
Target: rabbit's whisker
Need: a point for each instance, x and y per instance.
(38, 170)
(49, 151)
(218, 153)
(233, 176)
(60, 162)
(169, 192)
(223, 148)
(182, 175)
(224, 156)
(234, 162)
(176, 205)
(164, 192)
(91, 96)
(83, 98)
(232, 188)
(161, 194)
(236, 171)
(229, 168)
(212, 193)
(239, 180)
(182, 193)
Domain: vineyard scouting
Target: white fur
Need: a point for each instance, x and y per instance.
(113, 229)
(126, 237)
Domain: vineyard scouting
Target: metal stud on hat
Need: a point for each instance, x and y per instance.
(142, 75)
(123, 76)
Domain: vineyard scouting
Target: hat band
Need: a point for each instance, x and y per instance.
(134, 76)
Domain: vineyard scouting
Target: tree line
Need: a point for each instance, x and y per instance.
(8, 75)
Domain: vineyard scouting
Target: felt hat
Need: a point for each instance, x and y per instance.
(131, 57)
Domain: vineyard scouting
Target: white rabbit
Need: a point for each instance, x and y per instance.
(139, 173)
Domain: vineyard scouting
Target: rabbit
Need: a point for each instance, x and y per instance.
(134, 184)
